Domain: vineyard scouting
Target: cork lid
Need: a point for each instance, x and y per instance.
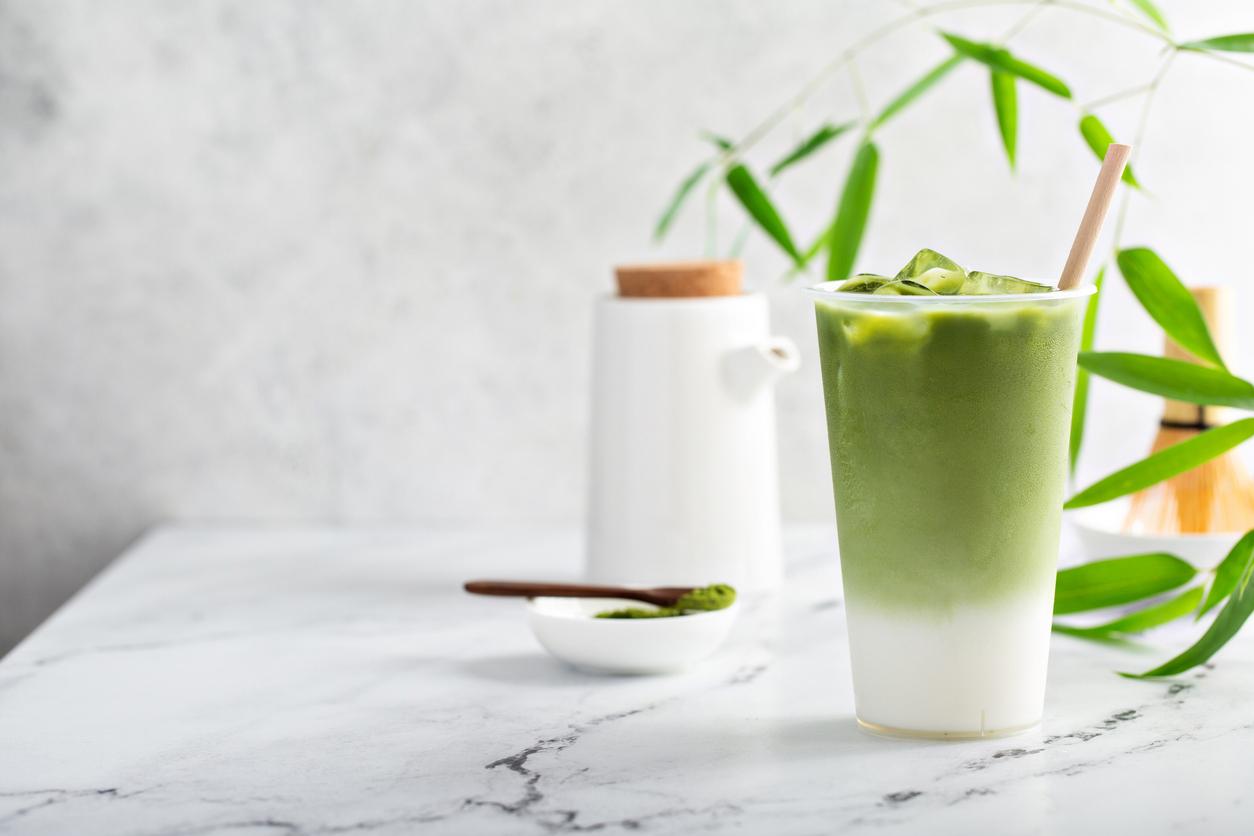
(678, 279)
(1217, 311)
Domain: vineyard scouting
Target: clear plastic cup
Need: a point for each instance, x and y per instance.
(948, 421)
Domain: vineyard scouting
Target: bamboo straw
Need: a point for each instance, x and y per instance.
(1091, 224)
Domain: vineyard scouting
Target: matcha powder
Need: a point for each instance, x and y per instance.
(702, 599)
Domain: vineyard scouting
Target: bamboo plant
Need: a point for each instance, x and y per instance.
(1151, 589)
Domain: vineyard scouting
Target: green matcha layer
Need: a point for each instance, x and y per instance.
(948, 424)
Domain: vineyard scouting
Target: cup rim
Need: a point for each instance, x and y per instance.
(826, 290)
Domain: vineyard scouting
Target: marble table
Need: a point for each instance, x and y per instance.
(326, 681)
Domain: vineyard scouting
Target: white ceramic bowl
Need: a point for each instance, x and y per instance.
(1098, 528)
(568, 629)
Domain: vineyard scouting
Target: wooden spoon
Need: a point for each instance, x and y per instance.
(662, 596)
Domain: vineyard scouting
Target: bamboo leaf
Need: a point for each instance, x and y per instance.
(1080, 401)
(814, 142)
(1224, 43)
(1006, 103)
(722, 143)
(852, 212)
(1168, 301)
(816, 246)
(1112, 639)
(681, 194)
(1164, 464)
(1118, 580)
(759, 206)
(905, 97)
(1178, 380)
(1099, 139)
(819, 243)
(1226, 625)
(1000, 59)
(1151, 11)
(1228, 573)
(1146, 618)
(1155, 615)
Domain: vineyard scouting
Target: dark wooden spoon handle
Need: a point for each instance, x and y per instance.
(533, 589)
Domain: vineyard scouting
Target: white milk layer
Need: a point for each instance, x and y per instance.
(977, 671)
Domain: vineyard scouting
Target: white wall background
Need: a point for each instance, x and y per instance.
(289, 260)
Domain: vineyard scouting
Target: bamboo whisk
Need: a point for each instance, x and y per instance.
(1217, 496)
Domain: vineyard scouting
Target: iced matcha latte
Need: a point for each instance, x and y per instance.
(948, 408)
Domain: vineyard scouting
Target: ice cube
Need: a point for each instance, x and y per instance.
(863, 283)
(925, 260)
(987, 284)
(905, 287)
(943, 280)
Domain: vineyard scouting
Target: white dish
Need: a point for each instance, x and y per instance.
(568, 629)
(1099, 530)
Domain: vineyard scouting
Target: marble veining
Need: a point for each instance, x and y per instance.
(278, 680)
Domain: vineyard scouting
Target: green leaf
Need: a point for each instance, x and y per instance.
(1164, 464)
(681, 194)
(1006, 103)
(1118, 580)
(1099, 139)
(720, 142)
(816, 246)
(1224, 43)
(1229, 571)
(1001, 59)
(1178, 380)
(1113, 639)
(852, 212)
(1224, 627)
(915, 90)
(1080, 402)
(811, 144)
(1168, 301)
(760, 208)
(1146, 618)
(1151, 11)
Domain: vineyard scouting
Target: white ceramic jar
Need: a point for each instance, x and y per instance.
(684, 482)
